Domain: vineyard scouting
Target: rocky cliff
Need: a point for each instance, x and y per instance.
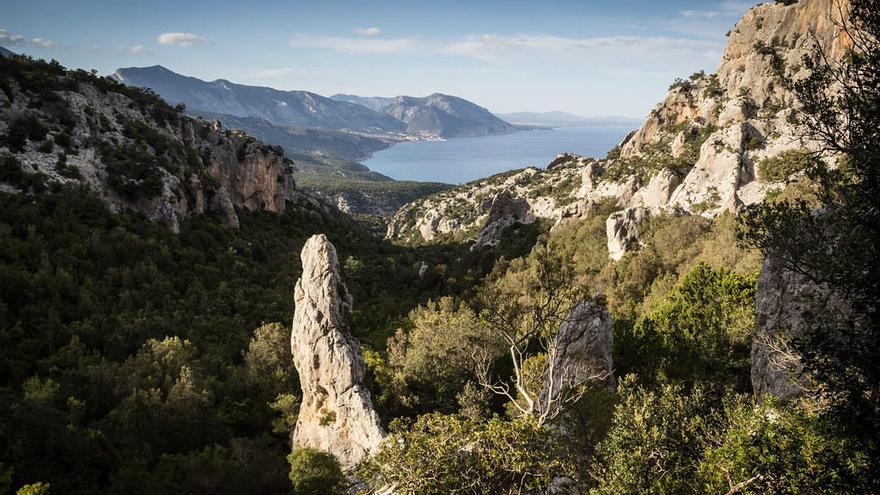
(336, 414)
(711, 146)
(71, 127)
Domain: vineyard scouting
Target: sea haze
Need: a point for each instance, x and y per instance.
(461, 160)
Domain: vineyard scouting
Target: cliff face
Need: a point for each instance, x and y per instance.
(131, 148)
(699, 152)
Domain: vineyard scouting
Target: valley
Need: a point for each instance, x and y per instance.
(209, 287)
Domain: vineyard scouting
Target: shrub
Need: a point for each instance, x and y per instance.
(38, 488)
(434, 359)
(132, 171)
(439, 455)
(655, 441)
(23, 128)
(12, 172)
(786, 164)
(314, 472)
(765, 447)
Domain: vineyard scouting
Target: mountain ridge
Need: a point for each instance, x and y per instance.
(300, 108)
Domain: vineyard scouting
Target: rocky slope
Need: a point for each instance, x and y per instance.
(375, 103)
(336, 413)
(136, 152)
(299, 108)
(715, 143)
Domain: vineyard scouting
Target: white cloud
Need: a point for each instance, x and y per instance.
(180, 39)
(368, 31)
(358, 46)
(136, 49)
(725, 9)
(9, 39)
(701, 14)
(495, 48)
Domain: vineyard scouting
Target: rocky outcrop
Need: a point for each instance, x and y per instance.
(787, 302)
(336, 413)
(581, 351)
(506, 210)
(138, 153)
(622, 229)
(696, 152)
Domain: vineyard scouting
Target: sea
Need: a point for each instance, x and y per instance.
(460, 160)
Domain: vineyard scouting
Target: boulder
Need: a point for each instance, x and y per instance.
(505, 211)
(336, 414)
(622, 230)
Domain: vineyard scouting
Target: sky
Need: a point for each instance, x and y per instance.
(592, 58)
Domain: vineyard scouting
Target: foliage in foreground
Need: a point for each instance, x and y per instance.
(449, 454)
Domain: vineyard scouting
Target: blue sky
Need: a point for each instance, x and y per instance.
(588, 57)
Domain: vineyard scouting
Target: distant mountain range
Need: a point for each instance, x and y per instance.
(446, 116)
(565, 119)
(437, 114)
(298, 108)
(6, 53)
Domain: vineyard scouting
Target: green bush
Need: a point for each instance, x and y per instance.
(767, 447)
(34, 489)
(655, 442)
(786, 164)
(12, 172)
(434, 359)
(23, 128)
(439, 455)
(314, 472)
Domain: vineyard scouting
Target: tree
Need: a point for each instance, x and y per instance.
(700, 331)
(449, 454)
(839, 243)
(314, 472)
(434, 359)
(526, 307)
(655, 442)
(763, 447)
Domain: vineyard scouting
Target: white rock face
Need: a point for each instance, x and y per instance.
(655, 196)
(622, 229)
(337, 413)
(581, 350)
(721, 169)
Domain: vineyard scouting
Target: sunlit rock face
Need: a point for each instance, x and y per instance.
(336, 414)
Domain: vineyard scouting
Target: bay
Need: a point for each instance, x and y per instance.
(460, 160)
